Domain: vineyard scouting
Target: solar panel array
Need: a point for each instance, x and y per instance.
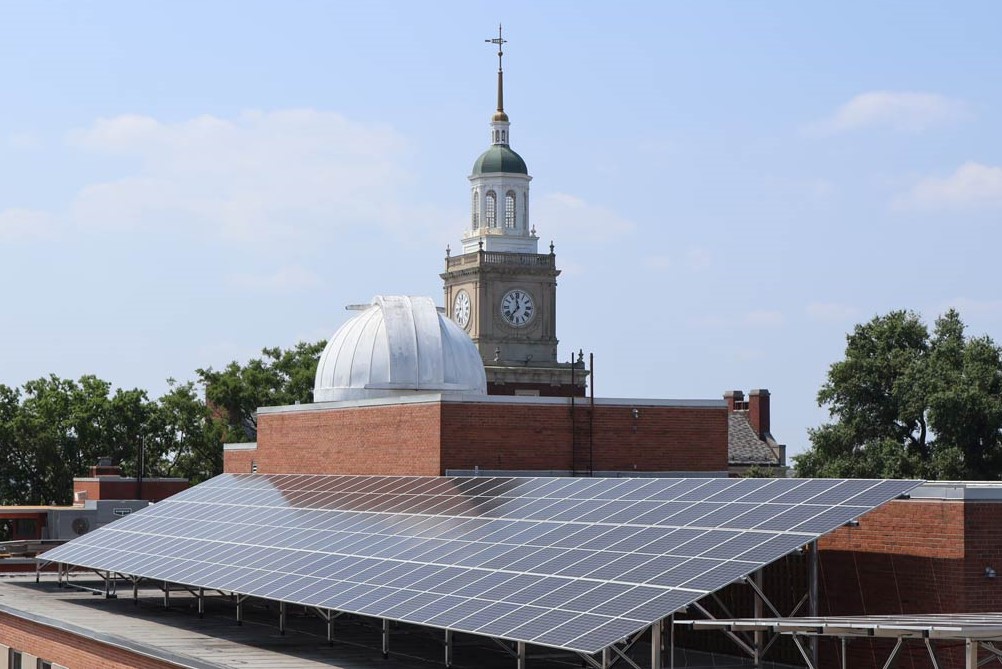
(569, 563)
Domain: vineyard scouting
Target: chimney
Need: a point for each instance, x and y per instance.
(758, 411)
(735, 400)
(105, 470)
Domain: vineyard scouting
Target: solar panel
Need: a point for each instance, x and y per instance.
(562, 562)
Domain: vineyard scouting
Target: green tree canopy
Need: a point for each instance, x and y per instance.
(53, 429)
(278, 377)
(907, 403)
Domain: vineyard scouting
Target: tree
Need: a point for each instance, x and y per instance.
(182, 437)
(53, 429)
(909, 404)
(279, 377)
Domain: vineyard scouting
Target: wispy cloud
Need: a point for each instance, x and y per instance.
(901, 111)
(571, 216)
(972, 185)
(285, 280)
(257, 176)
(831, 312)
(23, 225)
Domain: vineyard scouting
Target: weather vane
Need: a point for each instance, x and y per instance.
(499, 40)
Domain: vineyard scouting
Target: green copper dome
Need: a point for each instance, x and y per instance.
(499, 158)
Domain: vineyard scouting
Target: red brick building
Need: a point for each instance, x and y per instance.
(441, 434)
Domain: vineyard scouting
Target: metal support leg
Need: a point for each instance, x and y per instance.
(201, 602)
(330, 627)
(606, 657)
(166, 595)
(803, 651)
(521, 654)
(448, 648)
(893, 657)
(135, 590)
(281, 618)
(813, 604)
(240, 610)
(971, 654)
(656, 645)
(386, 638)
(759, 634)
(671, 656)
(845, 660)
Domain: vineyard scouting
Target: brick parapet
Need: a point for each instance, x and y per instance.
(400, 439)
(428, 438)
(239, 461)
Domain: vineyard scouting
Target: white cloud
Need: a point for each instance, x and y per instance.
(897, 110)
(831, 312)
(285, 280)
(260, 175)
(19, 225)
(972, 185)
(565, 216)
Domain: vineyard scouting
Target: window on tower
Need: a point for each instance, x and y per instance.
(476, 210)
(509, 210)
(491, 211)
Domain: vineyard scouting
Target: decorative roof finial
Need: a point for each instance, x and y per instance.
(499, 115)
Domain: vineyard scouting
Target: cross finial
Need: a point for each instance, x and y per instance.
(499, 40)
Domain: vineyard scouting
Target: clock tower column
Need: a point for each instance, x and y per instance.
(501, 290)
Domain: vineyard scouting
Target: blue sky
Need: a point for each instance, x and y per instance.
(730, 186)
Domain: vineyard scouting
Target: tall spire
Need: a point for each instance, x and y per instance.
(499, 115)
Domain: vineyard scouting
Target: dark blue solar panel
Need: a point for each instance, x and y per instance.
(571, 563)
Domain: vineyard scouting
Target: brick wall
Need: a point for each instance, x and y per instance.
(239, 461)
(983, 549)
(660, 439)
(429, 438)
(908, 556)
(69, 650)
(394, 439)
(538, 436)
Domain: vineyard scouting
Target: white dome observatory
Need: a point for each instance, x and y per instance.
(398, 346)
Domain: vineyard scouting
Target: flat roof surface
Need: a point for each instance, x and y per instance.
(215, 641)
(33, 509)
(179, 636)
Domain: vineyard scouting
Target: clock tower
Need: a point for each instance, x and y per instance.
(500, 289)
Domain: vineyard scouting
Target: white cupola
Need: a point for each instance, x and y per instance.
(499, 188)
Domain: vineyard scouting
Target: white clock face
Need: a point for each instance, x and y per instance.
(517, 308)
(461, 309)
